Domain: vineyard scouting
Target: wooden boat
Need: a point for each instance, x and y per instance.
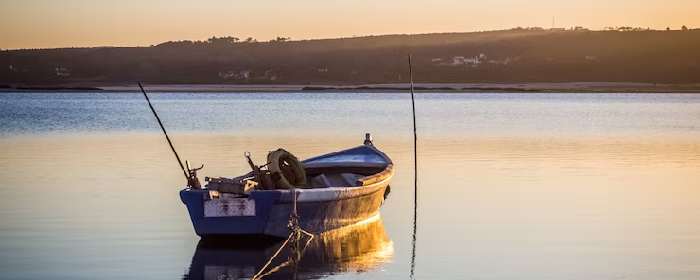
(343, 188)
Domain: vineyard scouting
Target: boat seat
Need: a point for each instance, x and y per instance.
(351, 178)
(343, 180)
(320, 182)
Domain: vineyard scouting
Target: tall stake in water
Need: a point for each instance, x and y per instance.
(415, 169)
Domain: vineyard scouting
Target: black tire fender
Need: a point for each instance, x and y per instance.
(275, 161)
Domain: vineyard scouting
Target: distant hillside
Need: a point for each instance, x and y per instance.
(488, 57)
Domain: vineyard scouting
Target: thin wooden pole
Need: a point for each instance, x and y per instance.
(415, 169)
(415, 135)
(166, 135)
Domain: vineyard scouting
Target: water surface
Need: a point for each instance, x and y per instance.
(511, 186)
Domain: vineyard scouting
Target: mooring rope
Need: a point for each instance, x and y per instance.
(296, 235)
(273, 257)
(284, 264)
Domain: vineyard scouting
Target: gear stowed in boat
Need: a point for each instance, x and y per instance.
(332, 191)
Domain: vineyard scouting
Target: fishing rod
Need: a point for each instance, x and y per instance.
(187, 175)
(415, 169)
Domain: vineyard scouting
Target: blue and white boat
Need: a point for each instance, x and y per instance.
(343, 188)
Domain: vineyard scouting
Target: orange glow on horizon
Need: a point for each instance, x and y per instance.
(85, 23)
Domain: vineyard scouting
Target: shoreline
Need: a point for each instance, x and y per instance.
(580, 87)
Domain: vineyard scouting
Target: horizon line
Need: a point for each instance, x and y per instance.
(289, 39)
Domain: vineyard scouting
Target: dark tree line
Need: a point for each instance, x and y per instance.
(223, 41)
(519, 55)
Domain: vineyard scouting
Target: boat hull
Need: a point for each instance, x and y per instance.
(319, 210)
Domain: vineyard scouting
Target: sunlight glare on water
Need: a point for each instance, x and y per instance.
(511, 186)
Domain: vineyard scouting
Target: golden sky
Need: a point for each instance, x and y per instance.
(86, 23)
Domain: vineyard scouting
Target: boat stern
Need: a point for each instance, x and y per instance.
(219, 215)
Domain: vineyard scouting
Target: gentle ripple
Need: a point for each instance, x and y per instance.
(511, 186)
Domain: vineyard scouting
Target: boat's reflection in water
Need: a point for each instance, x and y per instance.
(357, 248)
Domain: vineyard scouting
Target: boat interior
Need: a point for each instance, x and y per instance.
(354, 167)
(325, 177)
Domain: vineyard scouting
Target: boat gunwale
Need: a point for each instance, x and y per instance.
(341, 192)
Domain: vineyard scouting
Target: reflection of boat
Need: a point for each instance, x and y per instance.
(344, 188)
(356, 248)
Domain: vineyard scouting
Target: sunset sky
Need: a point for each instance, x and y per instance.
(87, 23)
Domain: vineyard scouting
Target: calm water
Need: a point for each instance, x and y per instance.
(511, 186)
